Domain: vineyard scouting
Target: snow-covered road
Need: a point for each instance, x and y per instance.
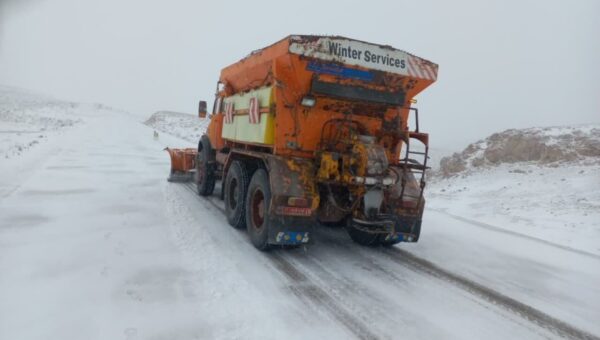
(95, 244)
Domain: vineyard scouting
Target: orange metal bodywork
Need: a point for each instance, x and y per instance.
(213, 131)
(298, 128)
(343, 155)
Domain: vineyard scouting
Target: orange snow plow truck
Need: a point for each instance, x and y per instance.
(313, 130)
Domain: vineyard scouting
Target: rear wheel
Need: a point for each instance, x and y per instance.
(205, 176)
(235, 187)
(257, 209)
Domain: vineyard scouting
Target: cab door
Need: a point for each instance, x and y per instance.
(216, 125)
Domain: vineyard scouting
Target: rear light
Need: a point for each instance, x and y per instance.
(370, 180)
(308, 101)
(297, 202)
(409, 204)
(293, 211)
(359, 179)
(388, 181)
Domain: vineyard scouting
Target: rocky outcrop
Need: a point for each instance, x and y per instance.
(544, 146)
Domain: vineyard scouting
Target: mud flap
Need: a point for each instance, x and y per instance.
(408, 229)
(294, 201)
(291, 231)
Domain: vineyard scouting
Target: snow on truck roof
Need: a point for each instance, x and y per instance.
(359, 53)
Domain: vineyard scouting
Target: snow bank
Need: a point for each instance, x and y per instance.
(182, 125)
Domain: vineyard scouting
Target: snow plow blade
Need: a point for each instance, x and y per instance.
(183, 164)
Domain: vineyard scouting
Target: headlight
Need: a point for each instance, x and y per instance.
(370, 180)
(388, 181)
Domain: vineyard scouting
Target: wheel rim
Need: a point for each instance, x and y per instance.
(257, 204)
(234, 193)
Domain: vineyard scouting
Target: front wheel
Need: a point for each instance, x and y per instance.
(257, 209)
(205, 177)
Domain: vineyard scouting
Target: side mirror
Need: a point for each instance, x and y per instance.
(202, 109)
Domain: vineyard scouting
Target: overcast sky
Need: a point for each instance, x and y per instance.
(503, 64)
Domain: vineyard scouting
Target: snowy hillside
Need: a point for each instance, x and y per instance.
(33, 126)
(27, 119)
(551, 146)
(541, 182)
(181, 125)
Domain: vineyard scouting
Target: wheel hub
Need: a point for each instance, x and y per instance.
(258, 209)
(234, 193)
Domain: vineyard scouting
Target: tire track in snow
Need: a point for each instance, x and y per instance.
(527, 312)
(311, 293)
(514, 233)
(423, 266)
(306, 290)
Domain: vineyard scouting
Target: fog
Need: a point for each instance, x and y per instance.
(502, 65)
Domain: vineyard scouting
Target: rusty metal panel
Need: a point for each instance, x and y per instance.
(291, 177)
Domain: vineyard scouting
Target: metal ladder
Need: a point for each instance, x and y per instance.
(412, 165)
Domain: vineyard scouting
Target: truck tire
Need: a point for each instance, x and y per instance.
(361, 237)
(235, 187)
(257, 209)
(205, 176)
